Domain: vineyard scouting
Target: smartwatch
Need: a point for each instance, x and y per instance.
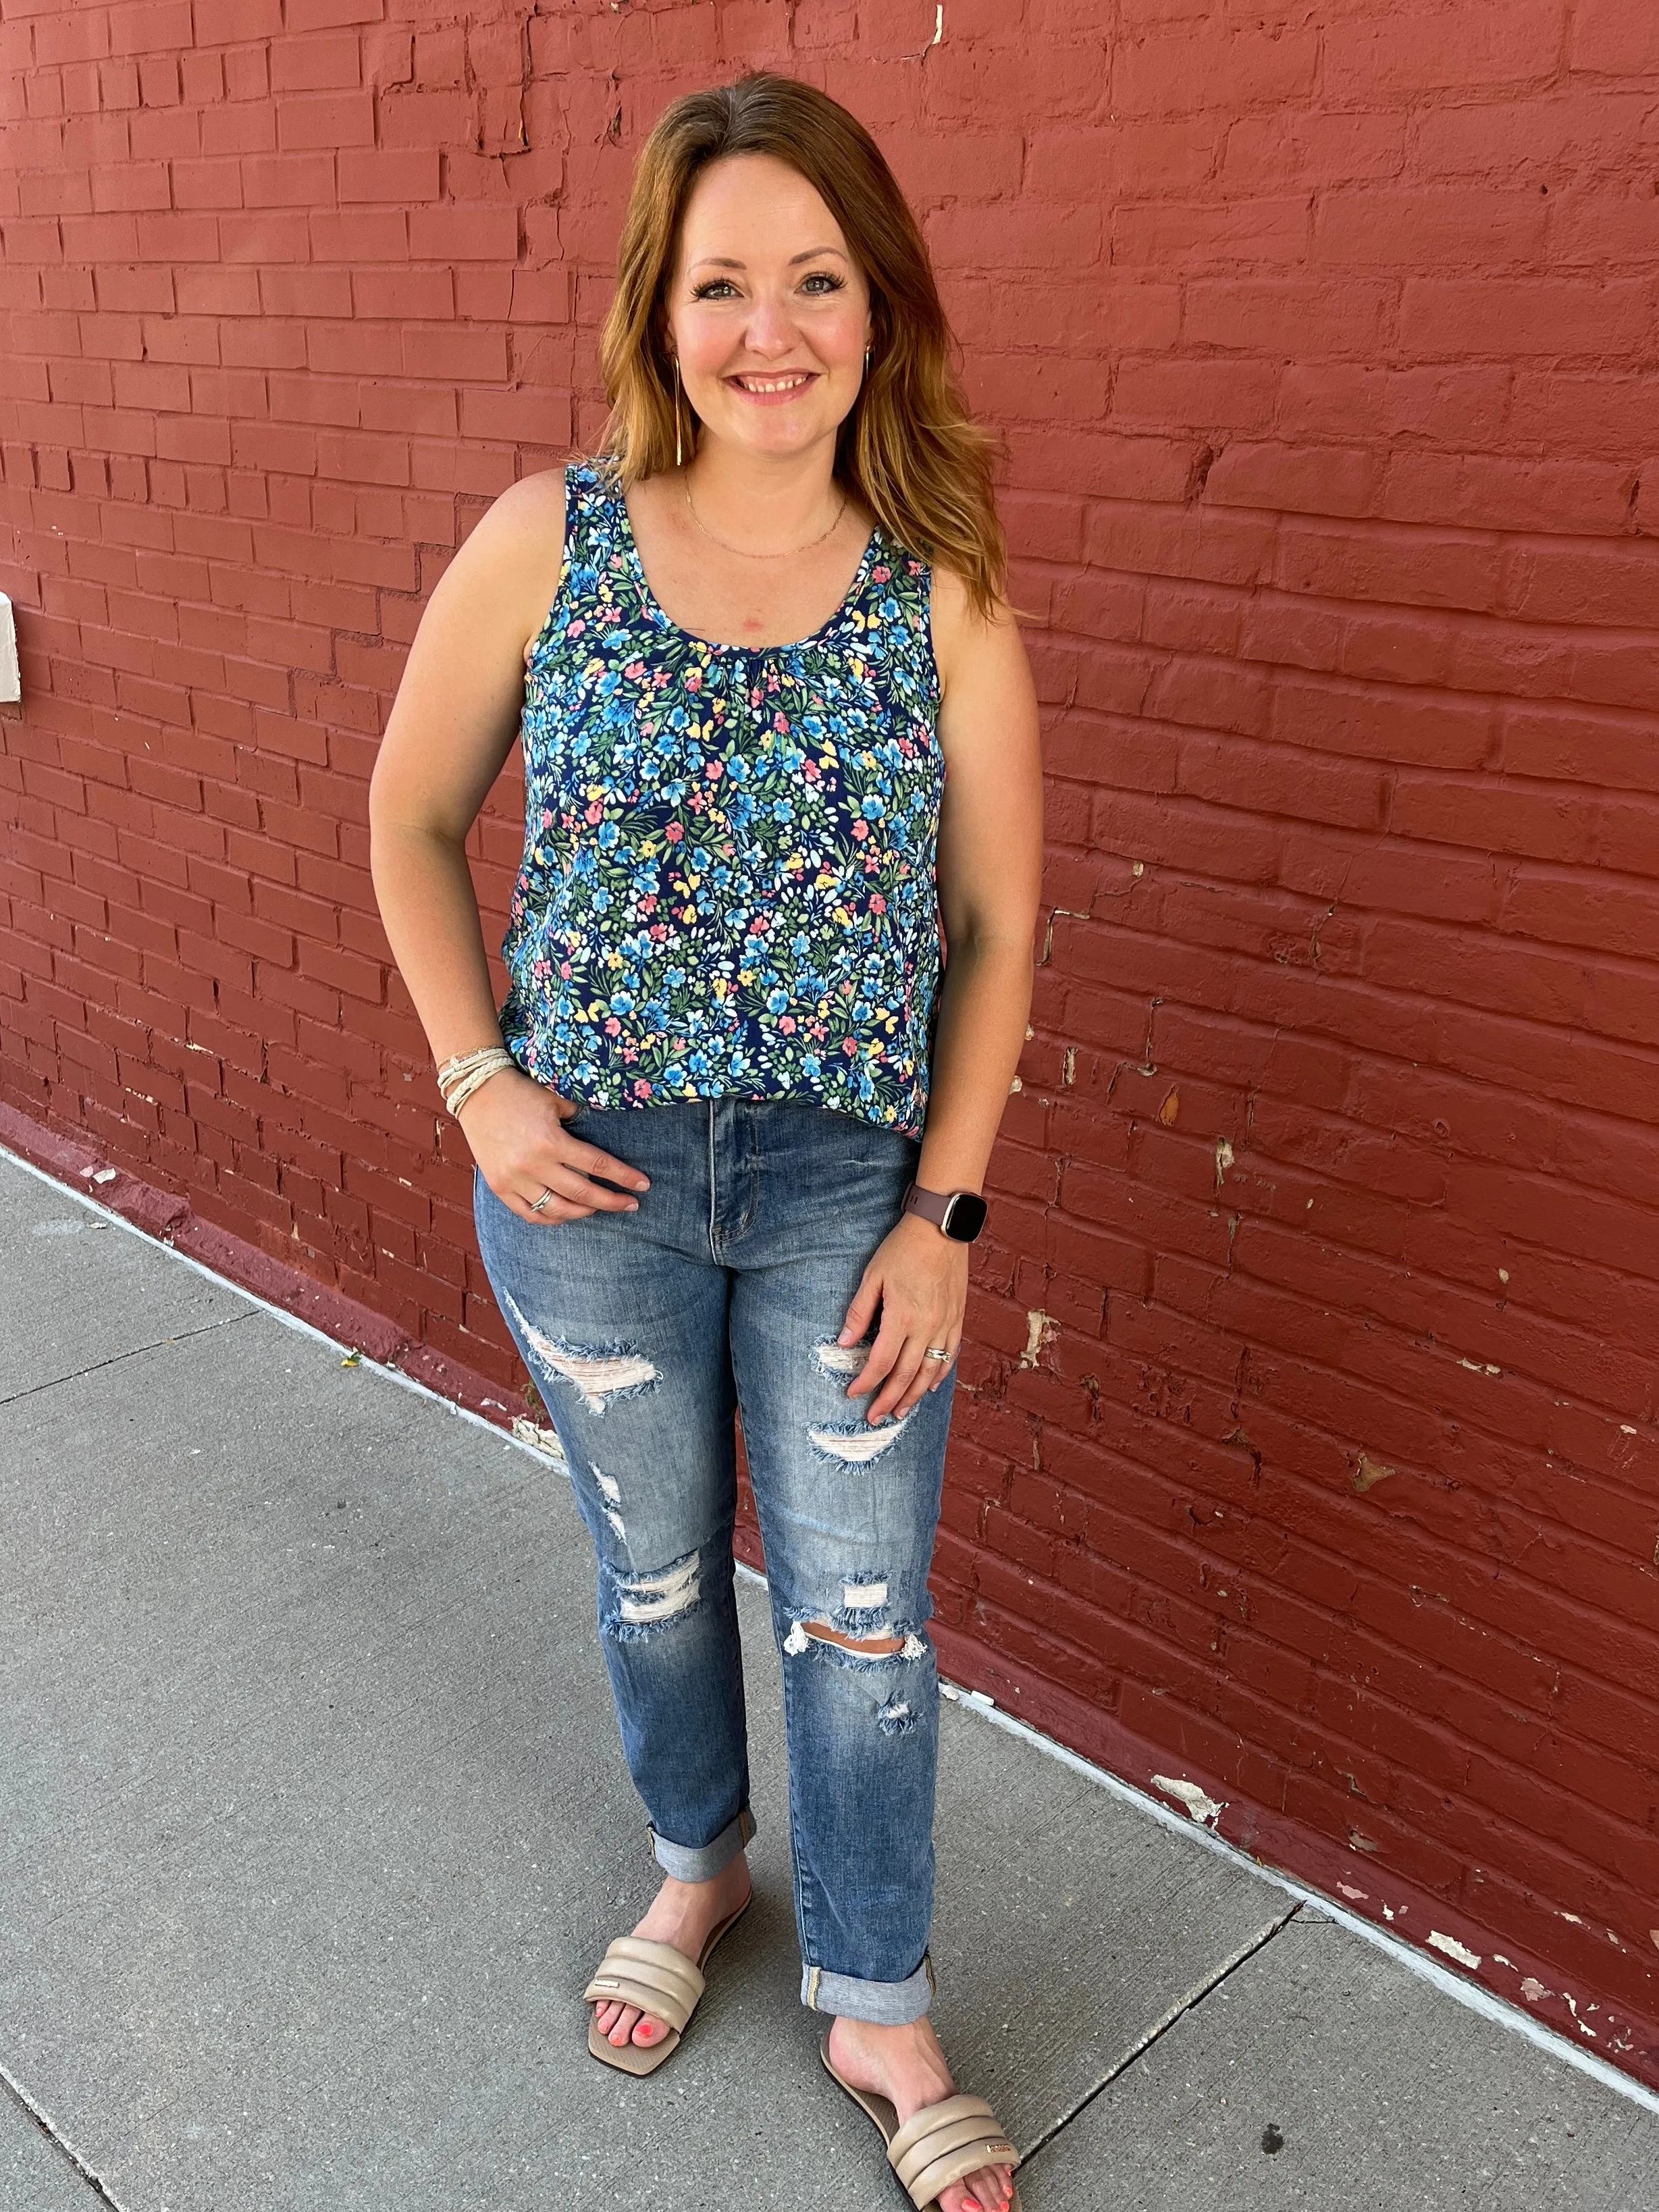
(959, 1213)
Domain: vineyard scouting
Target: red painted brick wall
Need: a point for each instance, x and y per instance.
(1307, 1445)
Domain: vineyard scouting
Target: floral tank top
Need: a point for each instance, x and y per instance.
(728, 886)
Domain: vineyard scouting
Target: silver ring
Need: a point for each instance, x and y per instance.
(542, 1200)
(935, 1351)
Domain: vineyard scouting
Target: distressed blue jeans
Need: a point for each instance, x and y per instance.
(644, 1332)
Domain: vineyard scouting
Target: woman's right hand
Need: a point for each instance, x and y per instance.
(515, 1126)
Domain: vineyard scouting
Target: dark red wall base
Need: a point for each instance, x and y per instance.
(173, 1221)
(1410, 1913)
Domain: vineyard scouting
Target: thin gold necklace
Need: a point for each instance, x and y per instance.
(743, 552)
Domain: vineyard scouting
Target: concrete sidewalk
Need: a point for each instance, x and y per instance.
(312, 1821)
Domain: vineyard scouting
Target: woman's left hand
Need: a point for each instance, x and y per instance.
(919, 1278)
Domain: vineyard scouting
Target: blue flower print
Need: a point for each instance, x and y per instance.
(728, 878)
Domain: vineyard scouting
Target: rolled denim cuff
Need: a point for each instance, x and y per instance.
(890, 2004)
(702, 1862)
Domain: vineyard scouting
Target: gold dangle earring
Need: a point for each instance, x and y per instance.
(680, 434)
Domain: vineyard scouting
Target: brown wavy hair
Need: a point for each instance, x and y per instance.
(909, 450)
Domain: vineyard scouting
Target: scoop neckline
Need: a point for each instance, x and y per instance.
(655, 605)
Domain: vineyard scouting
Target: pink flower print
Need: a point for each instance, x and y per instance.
(694, 679)
(712, 770)
(648, 904)
(658, 931)
(877, 903)
(674, 832)
(860, 828)
(641, 1088)
(787, 1024)
(811, 770)
(780, 723)
(595, 812)
(634, 671)
(576, 627)
(849, 1046)
(564, 969)
(630, 1053)
(547, 818)
(880, 574)
(612, 1026)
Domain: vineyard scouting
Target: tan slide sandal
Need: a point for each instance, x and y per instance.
(941, 2143)
(660, 1980)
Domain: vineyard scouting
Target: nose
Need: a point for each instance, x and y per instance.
(770, 329)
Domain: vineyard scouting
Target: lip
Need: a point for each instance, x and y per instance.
(808, 378)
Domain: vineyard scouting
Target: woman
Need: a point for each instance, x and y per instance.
(779, 731)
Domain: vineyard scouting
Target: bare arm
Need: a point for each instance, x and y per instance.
(990, 883)
(450, 728)
(990, 874)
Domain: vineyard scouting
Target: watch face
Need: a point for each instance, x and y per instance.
(966, 1217)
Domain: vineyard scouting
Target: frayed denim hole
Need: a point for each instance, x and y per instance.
(862, 1612)
(809, 1638)
(859, 1444)
(637, 1606)
(598, 1374)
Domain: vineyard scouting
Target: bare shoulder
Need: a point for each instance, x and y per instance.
(974, 650)
(507, 566)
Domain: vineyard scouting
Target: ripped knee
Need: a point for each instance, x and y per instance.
(867, 1647)
(642, 1604)
(852, 1630)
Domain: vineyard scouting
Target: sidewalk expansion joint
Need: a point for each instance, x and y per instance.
(137, 1352)
(10, 2082)
(1160, 2028)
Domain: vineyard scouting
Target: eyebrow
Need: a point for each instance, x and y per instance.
(725, 261)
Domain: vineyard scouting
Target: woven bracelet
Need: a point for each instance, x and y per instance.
(463, 1063)
(458, 1085)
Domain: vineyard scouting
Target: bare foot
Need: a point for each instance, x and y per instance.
(905, 2065)
(682, 1914)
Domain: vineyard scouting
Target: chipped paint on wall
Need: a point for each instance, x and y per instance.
(1203, 1808)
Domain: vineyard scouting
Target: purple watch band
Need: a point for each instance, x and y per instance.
(959, 1213)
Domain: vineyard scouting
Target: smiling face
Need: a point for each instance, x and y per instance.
(767, 310)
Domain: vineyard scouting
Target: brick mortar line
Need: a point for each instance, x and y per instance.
(1588, 1869)
(1331, 1555)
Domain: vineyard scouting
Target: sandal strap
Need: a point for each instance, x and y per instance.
(945, 2143)
(654, 1977)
